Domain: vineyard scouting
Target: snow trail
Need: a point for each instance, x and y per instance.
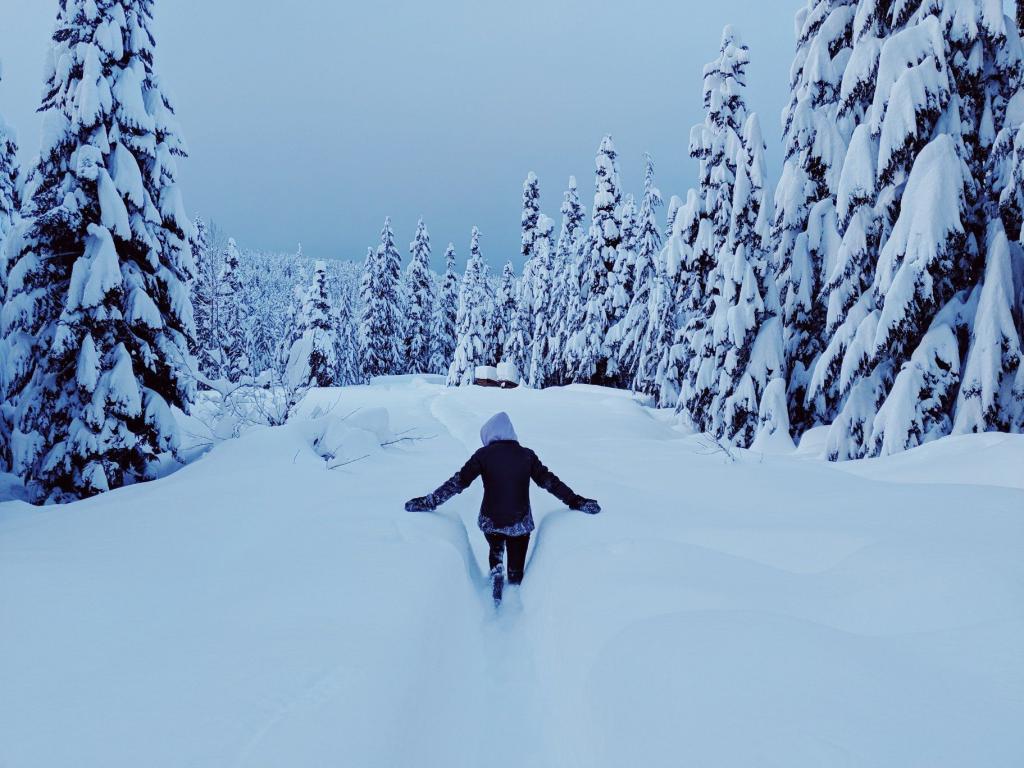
(511, 724)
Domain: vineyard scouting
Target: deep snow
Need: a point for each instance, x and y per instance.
(258, 609)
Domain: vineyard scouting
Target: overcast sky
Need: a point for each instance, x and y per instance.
(314, 119)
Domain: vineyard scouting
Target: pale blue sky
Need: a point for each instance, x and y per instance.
(313, 119)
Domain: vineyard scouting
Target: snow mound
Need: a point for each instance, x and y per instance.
(990, 458)
(345, 439)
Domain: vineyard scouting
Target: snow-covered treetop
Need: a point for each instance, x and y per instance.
(725, 83)
(605, 229)
(231, 252)
(474, 244)
(572, 210)
(573, 216)
(387, 239)
(649, 236)
(317, 306)
(650, 190)
(531, 210)
(718, 140)
(420, 245)
(108, 120)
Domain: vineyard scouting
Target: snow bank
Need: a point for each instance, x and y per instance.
(991, 458)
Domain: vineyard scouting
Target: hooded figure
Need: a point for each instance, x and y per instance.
(505, 515)
(497, 428)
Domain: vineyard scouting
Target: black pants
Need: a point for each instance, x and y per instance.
(516, 546)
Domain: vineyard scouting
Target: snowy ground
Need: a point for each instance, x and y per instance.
(258, 609)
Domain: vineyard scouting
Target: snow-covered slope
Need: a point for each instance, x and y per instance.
(259, 609)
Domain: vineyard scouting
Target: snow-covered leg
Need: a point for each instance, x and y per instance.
(497, 583)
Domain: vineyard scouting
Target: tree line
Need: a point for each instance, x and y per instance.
(875, 287)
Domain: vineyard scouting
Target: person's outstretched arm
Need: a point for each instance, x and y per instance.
(453, 486)
(547, 480)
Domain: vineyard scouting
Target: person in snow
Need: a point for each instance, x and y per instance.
(505, 516)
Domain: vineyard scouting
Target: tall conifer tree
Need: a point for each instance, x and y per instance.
(597, 258)
(443, 329)
(313, 360)
(920, 191)
(566, 306)
(419, 302)
(380, 328)
(472, 323)
(702, 233)
(98, 317)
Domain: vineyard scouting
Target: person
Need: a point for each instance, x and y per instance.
(505, 515)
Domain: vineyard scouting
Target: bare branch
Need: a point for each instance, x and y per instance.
(713, 445)
(346, 463)
(398, 440)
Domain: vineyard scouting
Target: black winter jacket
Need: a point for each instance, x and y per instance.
(507, 468)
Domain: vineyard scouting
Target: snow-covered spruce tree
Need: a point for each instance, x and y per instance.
(700, 233)
(991, 394)
(806, 228)
(515, 349)
(621, 288)
(263, 309)
(540, 370)
(290, 327)
(287, 280)
(566, 307)
(346, 333)
(232, 311)
(380, 327)
(664, 367)
(10, 197)
(98, 315)
(504, 330)
(288, 295)
(473, 321)
(418, 291)
(597, 257)
(531, 215)
(10, 204)
(743, 350)
(205, 296)
(937, 78)
(313, 359)
(660, 369)
(490, 300)
(635, 334)
(519, 338)
(443, 327)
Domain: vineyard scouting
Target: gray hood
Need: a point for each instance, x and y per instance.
(498, 427)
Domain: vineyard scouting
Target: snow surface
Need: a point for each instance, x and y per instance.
(259, 609)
